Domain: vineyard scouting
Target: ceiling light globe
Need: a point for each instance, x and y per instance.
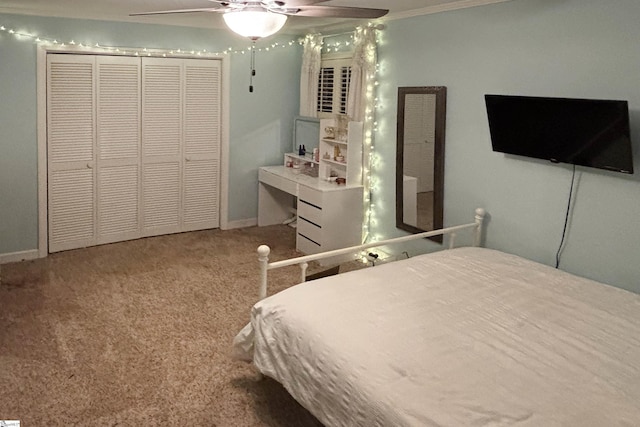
(254, 24)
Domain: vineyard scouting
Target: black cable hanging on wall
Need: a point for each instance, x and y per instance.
(253, 64)
(566, 218)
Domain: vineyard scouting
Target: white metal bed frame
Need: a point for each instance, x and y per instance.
(303, 261)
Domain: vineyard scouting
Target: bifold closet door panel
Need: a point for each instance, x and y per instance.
(71, 151)
(133, 147)
(161, 145)
(202, 138)
(118, 142)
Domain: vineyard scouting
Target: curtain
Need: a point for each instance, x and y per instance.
(311, 57)
(363, 70)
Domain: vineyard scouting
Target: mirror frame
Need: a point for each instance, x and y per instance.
(438, 182)
(296, 136)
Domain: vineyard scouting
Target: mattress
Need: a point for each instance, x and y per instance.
(462, 337)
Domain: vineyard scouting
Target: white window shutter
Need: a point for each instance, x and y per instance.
(345, 81)
(118, 141)
(326, 80)
(71, 151)
(201, 144)
(333, 86)
(161, 145)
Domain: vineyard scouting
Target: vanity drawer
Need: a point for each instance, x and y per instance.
(311, 196)
(279, 182)
(310, 212)
(310, 230)
(307, 246)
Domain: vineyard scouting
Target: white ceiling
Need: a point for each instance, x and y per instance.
(119, 10)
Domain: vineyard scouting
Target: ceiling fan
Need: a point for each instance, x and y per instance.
(257, 19)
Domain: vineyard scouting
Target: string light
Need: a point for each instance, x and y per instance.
(372, 159)
(137, 51)
(371, 126)
(338, 46)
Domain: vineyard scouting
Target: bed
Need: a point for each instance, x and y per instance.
(462, 337)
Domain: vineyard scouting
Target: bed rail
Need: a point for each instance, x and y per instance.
(303, 261)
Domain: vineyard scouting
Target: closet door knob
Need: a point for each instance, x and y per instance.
(89, 166)
(188, 159)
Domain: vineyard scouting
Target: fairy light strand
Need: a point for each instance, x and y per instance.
(369, 132)
(140, 51)
(372, 102)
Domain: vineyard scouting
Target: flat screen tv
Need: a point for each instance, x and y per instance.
(585, 132)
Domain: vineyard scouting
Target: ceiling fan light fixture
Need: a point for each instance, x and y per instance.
(254, 24)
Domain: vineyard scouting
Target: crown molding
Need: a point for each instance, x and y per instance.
(299, 26)
(462, 4)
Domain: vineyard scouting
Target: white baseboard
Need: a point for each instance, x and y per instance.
(19, 256)
(241, 223)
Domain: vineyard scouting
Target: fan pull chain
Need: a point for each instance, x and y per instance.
(253, 65)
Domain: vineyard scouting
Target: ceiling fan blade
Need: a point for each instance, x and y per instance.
(339, 12)
(296, 3)
(166, 12)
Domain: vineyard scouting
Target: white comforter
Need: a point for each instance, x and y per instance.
(467, 337)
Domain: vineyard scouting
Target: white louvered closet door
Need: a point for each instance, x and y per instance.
(201, 150)
(161, 145)
(133, 147)
(71, 151)
(118, 148)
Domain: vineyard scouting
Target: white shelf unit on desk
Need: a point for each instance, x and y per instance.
(294, 157)
(303, 164)
(350, 148)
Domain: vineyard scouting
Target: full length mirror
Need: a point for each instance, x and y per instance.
(420, 158)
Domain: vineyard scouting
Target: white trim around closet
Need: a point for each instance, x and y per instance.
(41, 94)
(224, 155)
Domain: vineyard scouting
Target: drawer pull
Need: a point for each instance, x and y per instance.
(310, 222)
(310, 204)
(311, 240)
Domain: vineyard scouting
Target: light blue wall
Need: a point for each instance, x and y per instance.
(260, 128)
(569, 48)
(572, 48)
(18, 147)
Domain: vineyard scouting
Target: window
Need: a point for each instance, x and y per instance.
(325, 89)
(333, 86)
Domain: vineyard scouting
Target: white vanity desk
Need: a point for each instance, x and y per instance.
(329, 215)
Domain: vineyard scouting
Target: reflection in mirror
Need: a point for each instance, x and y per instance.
(305, 132)
(420, 158)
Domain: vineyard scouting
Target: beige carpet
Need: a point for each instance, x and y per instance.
(139, 334)
(425, 210)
